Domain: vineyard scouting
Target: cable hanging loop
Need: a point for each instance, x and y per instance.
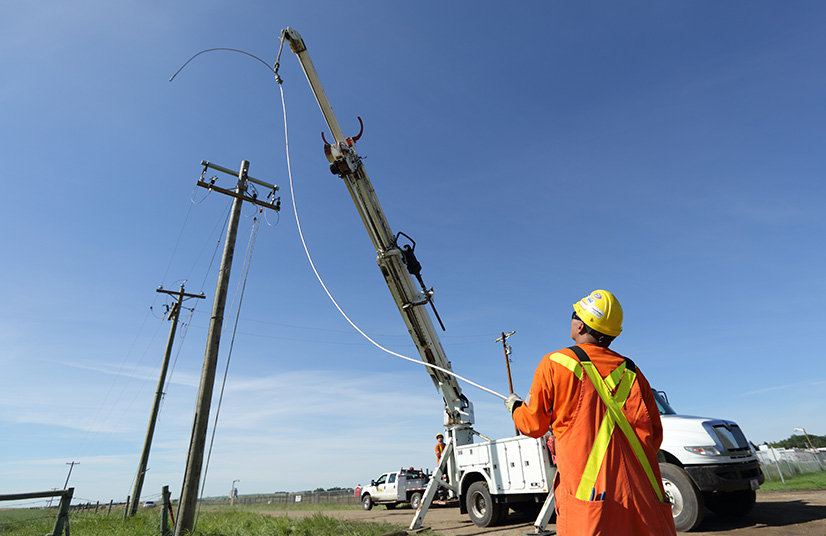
(220, 48)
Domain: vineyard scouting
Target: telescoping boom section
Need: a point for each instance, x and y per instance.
(397, 263)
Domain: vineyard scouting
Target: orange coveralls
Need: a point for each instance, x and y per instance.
(595, 454)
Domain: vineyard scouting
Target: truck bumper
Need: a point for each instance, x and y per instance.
(726, 477)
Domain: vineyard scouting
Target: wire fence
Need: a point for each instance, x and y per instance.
(344, 497)
(779, 464)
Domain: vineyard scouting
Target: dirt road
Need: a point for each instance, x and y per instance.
(792, 513)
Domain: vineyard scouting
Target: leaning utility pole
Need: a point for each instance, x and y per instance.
(174, 315)
(192, 475)
(71, 466)
(504, 339)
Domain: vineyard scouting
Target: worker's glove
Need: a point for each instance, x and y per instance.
(513, 402)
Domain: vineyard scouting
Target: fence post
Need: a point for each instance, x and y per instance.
(165, 508)
(126, 510)
(778, 466)
(62, 520)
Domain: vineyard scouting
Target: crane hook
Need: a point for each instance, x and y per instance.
(350, 141)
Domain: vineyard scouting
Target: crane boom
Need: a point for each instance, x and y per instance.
(396, 263)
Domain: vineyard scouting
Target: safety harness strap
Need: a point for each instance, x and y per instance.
(613, 417)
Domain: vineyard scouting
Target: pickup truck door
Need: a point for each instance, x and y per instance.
(380, 484)
(386, 487)
(392, 486)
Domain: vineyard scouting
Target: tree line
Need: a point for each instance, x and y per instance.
(798, 441)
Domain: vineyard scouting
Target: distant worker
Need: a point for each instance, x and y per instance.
(440, 447)
(602, 412)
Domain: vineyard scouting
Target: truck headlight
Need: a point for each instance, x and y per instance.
(703, 451)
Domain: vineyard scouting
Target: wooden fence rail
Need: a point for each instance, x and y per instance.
(62, 521)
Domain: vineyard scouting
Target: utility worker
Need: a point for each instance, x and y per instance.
(440, 447)
(607, 426)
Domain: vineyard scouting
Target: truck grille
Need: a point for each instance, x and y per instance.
(731, 437)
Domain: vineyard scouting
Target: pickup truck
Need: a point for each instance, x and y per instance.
(705, 463)
(394, 488)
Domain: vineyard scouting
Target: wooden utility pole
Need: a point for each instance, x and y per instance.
(71, 466)
(192, 475)
(174, 315)
(504, 339)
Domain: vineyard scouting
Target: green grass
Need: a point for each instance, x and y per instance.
(19, 519)
(301, 507)
(798, 482)
(210, 523)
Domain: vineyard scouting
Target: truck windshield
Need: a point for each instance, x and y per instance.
(662, 404)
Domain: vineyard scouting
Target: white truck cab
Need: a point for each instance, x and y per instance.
(396, 487)
(705, 463)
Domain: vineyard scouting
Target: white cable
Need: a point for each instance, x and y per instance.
(340, 310)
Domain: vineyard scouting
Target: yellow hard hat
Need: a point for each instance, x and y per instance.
(601, 311)
(438, 436)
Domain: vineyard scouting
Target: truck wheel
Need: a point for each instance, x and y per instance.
(733, 503)
(480, 506)
(367, 502)
(687, 505)
(416, 500)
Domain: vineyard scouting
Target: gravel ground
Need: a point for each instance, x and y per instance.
(784, 513)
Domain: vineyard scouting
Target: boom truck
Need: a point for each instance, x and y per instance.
(704, 462)
(488, 476)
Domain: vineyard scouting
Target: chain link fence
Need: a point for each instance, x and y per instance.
(779, 464)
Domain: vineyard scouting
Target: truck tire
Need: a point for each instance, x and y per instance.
(367, 502)
(687, 505)
(732, 503)
(416, 500)
(480, 506)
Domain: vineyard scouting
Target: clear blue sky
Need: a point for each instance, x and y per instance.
(672, 152)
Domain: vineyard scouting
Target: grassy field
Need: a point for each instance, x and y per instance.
(246, 521)
(799, 482)
(211, 523)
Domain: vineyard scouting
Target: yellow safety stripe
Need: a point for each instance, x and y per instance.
(606, 431)
(614, 378)
(573, 365)
(615, 414)
(568, 362)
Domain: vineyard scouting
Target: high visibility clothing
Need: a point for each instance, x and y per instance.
(439, 449)
(607, 426)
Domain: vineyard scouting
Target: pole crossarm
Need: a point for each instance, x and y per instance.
(180, 293)
(222, 169)
(272, 202)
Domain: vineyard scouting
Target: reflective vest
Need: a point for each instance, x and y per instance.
(608, 479)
